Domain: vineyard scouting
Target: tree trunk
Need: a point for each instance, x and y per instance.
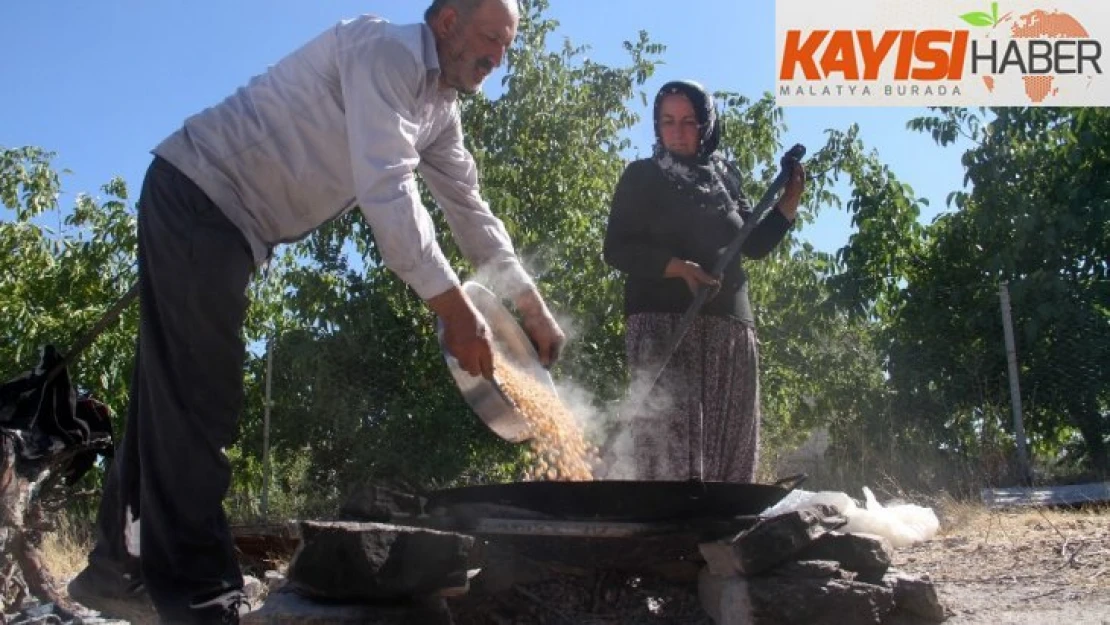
(1093, 427)
(29, 491)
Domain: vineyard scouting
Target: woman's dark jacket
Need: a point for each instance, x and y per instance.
(651, 222)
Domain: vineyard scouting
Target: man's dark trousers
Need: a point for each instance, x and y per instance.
(186, 396)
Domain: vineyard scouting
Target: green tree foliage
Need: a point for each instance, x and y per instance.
(361, 385)
(1037, 218)
(819, 364)
(893, 344)
(372, 383)
(65, 266)
(62, 270)
(360, 389)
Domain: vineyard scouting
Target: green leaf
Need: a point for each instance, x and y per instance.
(978, 18)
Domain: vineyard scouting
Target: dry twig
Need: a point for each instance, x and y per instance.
(1044, 594)
(1072, 558)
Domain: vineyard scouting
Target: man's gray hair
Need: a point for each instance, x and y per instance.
(464, 7)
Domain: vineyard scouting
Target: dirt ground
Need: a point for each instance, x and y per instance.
(1027, 567)
(997, 568)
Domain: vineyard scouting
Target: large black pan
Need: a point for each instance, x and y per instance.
(618, 500)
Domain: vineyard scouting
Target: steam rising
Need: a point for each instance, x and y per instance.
(606, 424)
(609, 425)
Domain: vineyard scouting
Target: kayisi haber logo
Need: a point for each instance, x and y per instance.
(1039, 56)
(1045, 50)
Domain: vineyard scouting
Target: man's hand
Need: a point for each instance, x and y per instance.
(465, 333)
(541, 326)
(691, 273)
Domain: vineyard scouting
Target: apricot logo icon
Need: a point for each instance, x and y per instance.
(952, 53)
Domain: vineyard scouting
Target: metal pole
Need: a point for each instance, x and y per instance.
(266, 431)
(1015, 388)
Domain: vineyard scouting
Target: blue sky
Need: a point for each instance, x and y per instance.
(100, 83)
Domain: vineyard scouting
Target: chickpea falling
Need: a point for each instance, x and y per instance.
(560, 451)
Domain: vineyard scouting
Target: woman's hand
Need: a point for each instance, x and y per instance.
(690, 272)
(792, 194)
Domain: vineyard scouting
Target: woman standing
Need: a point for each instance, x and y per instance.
(672, 216)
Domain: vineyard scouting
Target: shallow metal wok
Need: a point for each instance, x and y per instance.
(621, 500)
